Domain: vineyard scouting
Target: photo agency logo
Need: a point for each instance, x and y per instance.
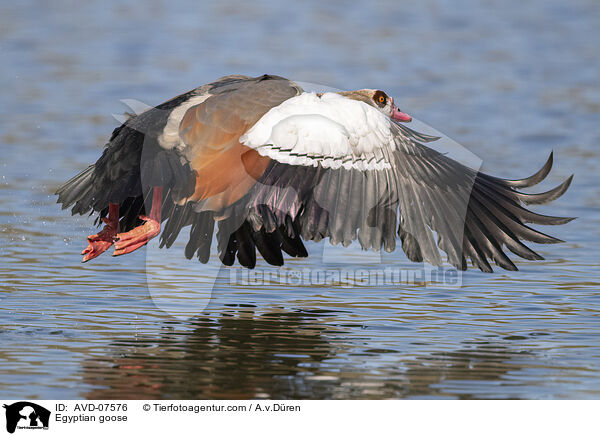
(363, 225)
(347, 277)
(25, 415)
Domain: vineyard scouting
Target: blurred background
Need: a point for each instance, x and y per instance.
(509, 80)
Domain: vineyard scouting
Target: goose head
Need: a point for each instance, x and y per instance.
(379, 100)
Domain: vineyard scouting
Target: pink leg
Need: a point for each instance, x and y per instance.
(138, 237)
(101, 241)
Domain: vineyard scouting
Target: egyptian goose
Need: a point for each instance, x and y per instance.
(273, 165)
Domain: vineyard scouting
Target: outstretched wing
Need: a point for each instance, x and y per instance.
(340, 169)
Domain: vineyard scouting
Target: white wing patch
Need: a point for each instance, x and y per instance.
(330, 130)
(169, 138)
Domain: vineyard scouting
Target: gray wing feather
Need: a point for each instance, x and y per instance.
(430, 201)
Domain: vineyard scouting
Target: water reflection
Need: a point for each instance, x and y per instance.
(286, 355)
(238, 355)
(453, 373)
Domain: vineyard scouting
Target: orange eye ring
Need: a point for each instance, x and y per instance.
(381, 99)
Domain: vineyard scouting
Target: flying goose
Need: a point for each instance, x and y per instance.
(274, 166)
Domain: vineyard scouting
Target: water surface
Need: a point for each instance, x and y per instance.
(510, 81)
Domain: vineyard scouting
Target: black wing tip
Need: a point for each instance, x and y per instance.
(276, 263)
(548, 196)
(486, 268)
(560, 220)
(76, 191)
(534, 179)
(429, 138)
(569, 179)
(565, 219)
(227, 259)
(537, 256)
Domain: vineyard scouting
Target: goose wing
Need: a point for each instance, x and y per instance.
(340, 169)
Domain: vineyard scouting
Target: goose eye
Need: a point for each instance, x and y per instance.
(381, 99)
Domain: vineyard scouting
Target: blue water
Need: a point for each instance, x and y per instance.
(508, 80)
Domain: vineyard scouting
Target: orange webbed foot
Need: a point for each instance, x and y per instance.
(138, 237)
(101, 241)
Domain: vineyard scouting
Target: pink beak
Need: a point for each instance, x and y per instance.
(398, 115)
